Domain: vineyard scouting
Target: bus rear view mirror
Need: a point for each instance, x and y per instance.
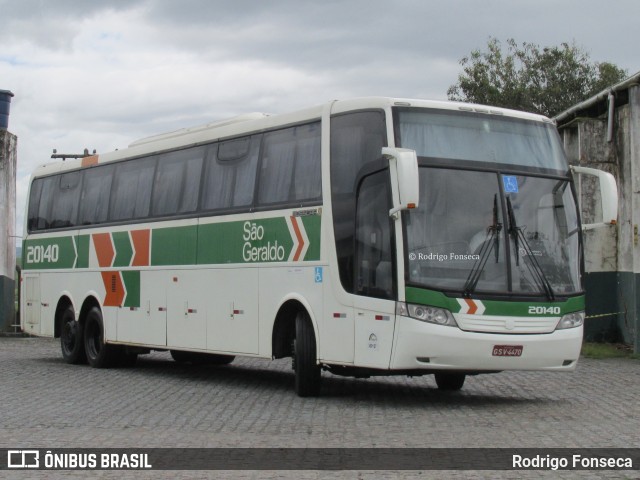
(404, 163)
(608, 196)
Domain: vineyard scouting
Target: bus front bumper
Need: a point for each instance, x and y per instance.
(421, 345)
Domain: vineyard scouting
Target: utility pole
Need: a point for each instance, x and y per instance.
(8, 146)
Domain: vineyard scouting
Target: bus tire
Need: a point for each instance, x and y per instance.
(307, 371)
(99, 353)
(450, 382)
(71, 338)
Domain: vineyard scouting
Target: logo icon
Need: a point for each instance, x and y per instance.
(23, 459)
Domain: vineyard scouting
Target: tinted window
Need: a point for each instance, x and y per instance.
(34, 220)
(374, 259)
(177, 182)
(64, 209)
(96, 190)
(132, 190)
(290, 168)
(356, 140)
(478, 137)
(43, 212)
(230, 174)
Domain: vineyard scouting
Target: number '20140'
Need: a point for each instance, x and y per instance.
(540, 310)
(42, 254)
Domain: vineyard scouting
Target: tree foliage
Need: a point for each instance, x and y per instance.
(526, 77)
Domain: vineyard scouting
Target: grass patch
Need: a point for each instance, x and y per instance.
(608, 350)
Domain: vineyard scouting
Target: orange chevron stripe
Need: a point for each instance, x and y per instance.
(140, 239)
(473, 307)
(296, 229)
(104, 249)
(114, 289)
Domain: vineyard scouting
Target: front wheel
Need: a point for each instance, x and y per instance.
(99, 353)
(71, 338)
(450, 381)
(307, 370)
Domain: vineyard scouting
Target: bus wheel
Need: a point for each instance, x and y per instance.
(450, 381)
(307, 371)
(71, 338)
(99, 353)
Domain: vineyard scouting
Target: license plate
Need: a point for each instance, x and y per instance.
(507, 350)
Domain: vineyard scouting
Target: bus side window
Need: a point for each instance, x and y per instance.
(49, 186)
(177, 182)
(131, 193)
(230, 174)
(64, 210)
(290, 168)
(34, 220)
(96, 191)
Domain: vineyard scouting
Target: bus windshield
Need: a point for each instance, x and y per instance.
(479, 137)
(493, 233)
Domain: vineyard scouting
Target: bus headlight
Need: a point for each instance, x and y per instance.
(571, 320)
(424, 313)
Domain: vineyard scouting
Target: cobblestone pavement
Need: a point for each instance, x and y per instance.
(250, 403)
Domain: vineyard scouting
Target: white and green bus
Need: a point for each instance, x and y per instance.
(372, 236)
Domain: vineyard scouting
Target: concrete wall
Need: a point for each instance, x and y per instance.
(612, 254)
(8, 145)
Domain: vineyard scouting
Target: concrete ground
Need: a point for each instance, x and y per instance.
(250, 403)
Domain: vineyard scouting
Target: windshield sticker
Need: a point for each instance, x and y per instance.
(510, 183)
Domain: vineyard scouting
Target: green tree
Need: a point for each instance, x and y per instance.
(526, 77)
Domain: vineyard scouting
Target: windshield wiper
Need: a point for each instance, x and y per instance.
(491, 242)
(533, 266)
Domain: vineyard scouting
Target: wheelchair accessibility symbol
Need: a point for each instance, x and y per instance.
(510, 183)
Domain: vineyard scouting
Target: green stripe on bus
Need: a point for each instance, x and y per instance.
(49, 253)
(82, 244)
(492, 307)
(251, 241)
(124, 251)
(131, 280)
(267, 240)
(218, 243)
(174, 245)
(312, 226)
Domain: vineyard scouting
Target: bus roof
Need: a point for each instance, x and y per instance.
(256, 122)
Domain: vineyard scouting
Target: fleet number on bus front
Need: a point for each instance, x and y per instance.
(538, 310)
(40, 253)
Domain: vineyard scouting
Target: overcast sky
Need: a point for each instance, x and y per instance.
(100, 74)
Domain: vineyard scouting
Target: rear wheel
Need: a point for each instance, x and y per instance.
(307, 370)
(450, 381)
(71, 338)
(99, 353)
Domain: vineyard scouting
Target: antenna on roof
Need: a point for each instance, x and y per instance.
(64, 156)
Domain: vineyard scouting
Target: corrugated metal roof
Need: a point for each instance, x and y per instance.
(599, 97)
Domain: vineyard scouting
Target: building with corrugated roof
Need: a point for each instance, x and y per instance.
(604, 132)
